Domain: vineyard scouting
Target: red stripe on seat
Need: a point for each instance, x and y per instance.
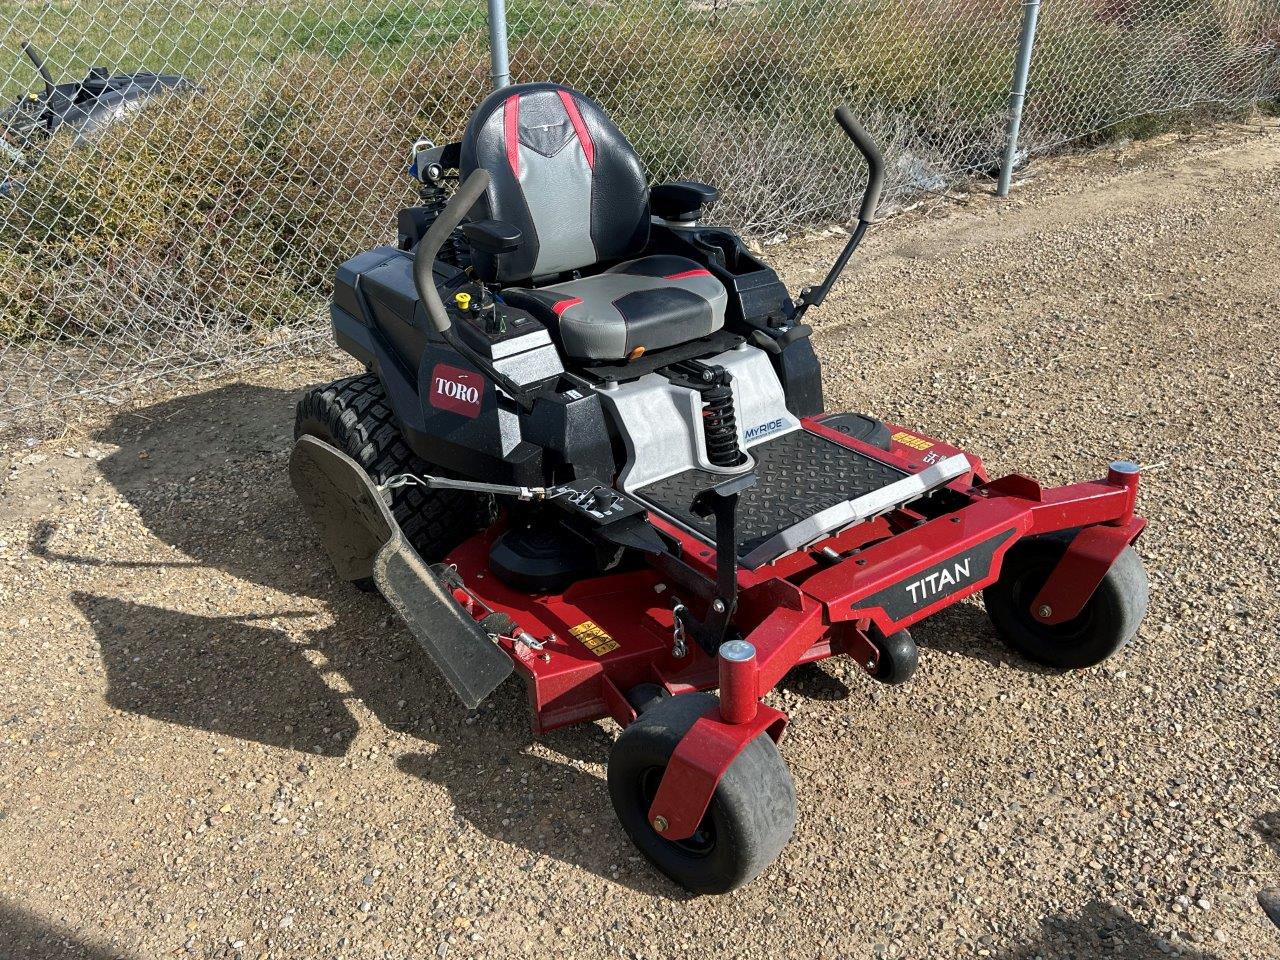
(511, 131)
(700, 272)
(561, 306)
(579, 127)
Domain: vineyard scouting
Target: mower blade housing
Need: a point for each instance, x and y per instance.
(363, 540)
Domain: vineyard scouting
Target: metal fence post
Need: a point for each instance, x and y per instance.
(499, 69)
(1030, 16)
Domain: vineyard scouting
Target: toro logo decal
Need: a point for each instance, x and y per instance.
(456, 390)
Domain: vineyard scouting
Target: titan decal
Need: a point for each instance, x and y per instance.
(940, 580)
(936, 583)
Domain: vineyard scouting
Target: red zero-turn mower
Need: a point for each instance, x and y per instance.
(590, 447)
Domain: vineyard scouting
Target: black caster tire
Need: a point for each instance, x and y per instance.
(352, 414)
(749, 821)
(1108, 621)
(644, 696)
(899, 657)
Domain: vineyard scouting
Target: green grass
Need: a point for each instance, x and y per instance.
(209, 38)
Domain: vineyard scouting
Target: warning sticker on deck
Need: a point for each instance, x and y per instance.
(590, 635)
(911, 440)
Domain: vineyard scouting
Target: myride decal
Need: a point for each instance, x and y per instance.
(931, 584)
(763, 429)
(456, 390)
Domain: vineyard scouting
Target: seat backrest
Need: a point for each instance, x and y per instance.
(562, 173)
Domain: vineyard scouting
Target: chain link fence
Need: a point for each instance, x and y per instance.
(194, 229)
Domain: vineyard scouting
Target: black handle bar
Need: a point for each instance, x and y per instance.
(875, 162)
(37, 58)
(471, 190)
(459, 205)
(813, 296)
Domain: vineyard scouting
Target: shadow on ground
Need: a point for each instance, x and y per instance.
(1267, 827)
(1098, 931)
(962, 630)
(207, 475)
(965, 630)
(24, 936)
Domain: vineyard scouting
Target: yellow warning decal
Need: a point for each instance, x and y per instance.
(911, 440)
(590, 635)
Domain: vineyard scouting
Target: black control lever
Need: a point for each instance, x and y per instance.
(37, 58)
(470, 191)
(813, 296)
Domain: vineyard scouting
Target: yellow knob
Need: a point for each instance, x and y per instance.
(463, 300)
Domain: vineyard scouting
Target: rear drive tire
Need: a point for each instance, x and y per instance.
(1108, 621)
(751, 816)
(352, 414)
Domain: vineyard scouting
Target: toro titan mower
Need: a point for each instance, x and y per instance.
(590, 447)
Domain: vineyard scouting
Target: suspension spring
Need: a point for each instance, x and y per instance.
(719, 418)
(720, 425)
(434, 199)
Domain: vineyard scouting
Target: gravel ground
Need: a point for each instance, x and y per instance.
(210, 748)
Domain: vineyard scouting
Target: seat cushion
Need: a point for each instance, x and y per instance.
(646, 304)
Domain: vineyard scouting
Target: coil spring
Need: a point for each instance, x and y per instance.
(720, 425)
(434, 199)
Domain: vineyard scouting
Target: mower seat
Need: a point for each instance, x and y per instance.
(634, 307)
(572, 186)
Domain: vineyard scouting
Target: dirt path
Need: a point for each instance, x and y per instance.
(209, 748)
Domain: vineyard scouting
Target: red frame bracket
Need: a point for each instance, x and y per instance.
(1081, 569)
(699, 761)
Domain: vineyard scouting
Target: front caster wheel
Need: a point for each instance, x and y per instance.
(1108, 621)
(751, 815)
(899, 657)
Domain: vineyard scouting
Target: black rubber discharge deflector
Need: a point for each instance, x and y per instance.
(797, 475)
(363, 540)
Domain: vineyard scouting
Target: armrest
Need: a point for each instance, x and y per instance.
(492, 236)
(682, 200)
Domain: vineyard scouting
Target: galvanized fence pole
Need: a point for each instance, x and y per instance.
(499, 69)
(1030, 17)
